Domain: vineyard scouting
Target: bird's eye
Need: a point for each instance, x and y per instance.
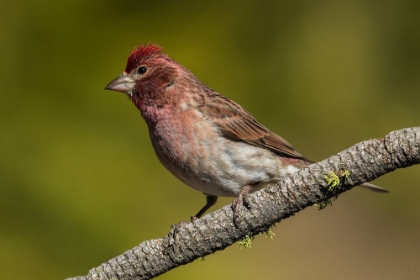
(141, 70)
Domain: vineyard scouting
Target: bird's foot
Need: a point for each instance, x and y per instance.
(175, 230)
(241, 199)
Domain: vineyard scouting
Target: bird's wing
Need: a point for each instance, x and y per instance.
(236, 123)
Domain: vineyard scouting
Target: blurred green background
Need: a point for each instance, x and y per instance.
(79, 181)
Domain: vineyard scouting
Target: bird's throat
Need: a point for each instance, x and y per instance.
(152, 112)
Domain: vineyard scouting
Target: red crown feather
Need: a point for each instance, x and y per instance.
(140, 53)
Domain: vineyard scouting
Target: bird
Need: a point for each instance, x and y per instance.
(206, 140)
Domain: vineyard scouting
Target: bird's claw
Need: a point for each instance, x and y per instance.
(193, 218)
(174, 230)
(241, 199)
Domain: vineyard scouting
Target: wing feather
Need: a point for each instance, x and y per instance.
(236, 123)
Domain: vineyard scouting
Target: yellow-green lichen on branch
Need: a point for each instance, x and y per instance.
(333, 180)
(269, 233)
(323, 204)
(246, 242)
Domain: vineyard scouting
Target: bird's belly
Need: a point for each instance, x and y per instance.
(208, 162)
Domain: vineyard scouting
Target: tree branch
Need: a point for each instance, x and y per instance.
(191, 240)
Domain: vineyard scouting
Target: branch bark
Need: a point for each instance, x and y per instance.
(365, 161)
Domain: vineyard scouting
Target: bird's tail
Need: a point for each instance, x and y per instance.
(373, 187)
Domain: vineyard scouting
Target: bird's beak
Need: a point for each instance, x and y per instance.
(123, 83)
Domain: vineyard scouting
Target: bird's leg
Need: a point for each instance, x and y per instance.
(242, 198)
(210, 201)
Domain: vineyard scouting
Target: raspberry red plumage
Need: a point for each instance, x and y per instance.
(141, 53)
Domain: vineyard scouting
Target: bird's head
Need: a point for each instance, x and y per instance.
(153, 81)
(148, 70)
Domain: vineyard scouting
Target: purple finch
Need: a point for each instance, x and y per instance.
(206, 140)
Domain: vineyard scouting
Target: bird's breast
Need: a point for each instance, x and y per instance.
(193, 149)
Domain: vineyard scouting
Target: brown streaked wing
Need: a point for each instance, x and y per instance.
(238, 124)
